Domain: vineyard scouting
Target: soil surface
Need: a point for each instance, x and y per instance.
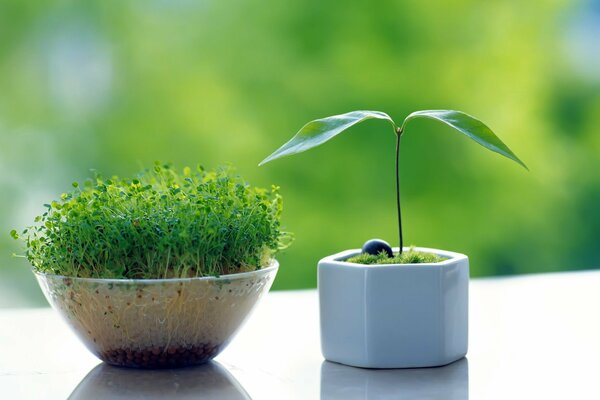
(157, 357)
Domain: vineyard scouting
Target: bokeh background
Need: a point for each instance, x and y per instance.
(114, 86)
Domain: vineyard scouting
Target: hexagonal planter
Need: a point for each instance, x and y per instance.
(394, 316)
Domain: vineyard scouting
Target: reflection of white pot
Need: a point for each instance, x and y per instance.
(449, 383)
(394, 316)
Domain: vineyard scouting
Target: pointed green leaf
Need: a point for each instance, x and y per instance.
(469, 126)
(321, 130)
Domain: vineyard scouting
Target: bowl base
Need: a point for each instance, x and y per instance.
(173, 356)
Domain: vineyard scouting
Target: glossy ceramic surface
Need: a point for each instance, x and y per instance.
(531, 337)
(208, 381)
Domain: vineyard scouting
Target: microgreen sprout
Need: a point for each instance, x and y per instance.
(160, 224)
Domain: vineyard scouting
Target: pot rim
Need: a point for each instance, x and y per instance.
(274, 266)
(451, 257)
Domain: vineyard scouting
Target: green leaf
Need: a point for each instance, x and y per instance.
(14, 234)
(469, 126)
(321, 130)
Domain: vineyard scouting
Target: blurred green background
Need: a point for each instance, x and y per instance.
(116, 85)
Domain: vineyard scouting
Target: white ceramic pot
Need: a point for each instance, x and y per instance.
(394, 316)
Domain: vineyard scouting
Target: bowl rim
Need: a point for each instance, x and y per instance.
(274, 266)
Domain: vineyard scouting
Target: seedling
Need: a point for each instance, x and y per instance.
(161, 224)
(321, 130)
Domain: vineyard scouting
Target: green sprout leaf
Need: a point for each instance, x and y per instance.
(321, 130)
(469, 126)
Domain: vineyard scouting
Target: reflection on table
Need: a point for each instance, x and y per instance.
(208, 381)
(450, 382)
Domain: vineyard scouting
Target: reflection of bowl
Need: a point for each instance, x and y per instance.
(450, 382)
(157, 323)
(208, 381)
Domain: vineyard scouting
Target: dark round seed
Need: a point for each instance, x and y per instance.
(376, 246)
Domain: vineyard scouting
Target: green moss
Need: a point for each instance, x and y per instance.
(160, 224)
(407, 257)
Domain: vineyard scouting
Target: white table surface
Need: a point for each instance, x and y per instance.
(531, 337)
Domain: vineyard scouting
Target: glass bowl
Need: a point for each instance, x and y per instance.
(157, 323)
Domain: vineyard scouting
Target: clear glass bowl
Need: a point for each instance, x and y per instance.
(157, 323)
